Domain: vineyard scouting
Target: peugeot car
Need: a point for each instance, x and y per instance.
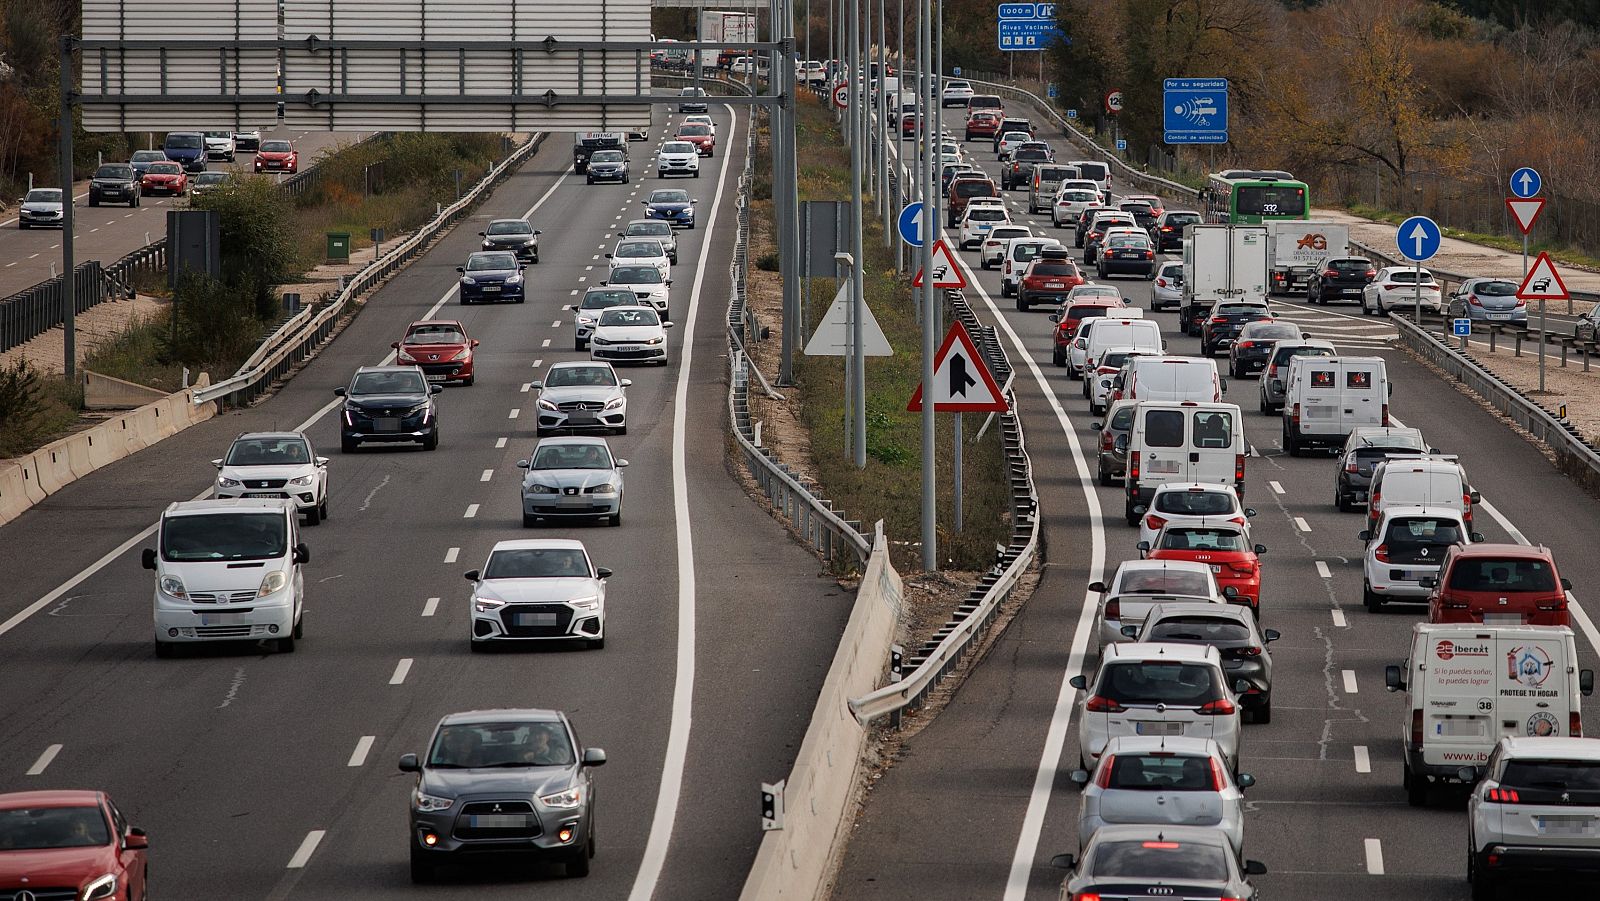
(386, 404)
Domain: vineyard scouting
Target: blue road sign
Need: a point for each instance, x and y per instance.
(1050, 91)
(957, 70)
(1525, 182)
(1122, 143)
(910, 223)
(1018, 11)
(1418, 238)
(1028, 34)
(1461, 328)
(1195, 111)
(1072, 114)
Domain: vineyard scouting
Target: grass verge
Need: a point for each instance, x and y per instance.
(1572, 256)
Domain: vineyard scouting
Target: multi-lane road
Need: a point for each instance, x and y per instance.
(273, 776)
(980, 801)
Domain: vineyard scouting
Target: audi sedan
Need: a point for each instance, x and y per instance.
(164, 178)
(572, 478)
(76, 839)
(1153, 861)
(275, 464)
(582, 396)
(630, 335)
(541, 589)
(671, 206)
(491, 276)
(513, 783)
(441, 348)
(277, 156)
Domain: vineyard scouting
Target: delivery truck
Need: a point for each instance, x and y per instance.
(717, 26)
(1221, 263)
(1296, 246)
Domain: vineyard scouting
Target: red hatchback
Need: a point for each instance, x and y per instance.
(164, 178)
(1222, 545)
(441, 347)
(69, 844)
(701, 136)
(1072, 316)
(982, 124)
(1498, 584)
(277, 156)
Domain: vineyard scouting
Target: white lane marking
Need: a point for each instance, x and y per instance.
(595, 257)
(538, 363)
(556, 324)
(526, 386)
(1349, 676)
(1363, 762)
(400, 670)
(307, 847)
(499, 442)
(672, 766)
(363, 747)
(93, 230)
(583, 278)
(1276, 488)
(1374, 856)
(1323, 571)
(588, 268)
(1301, 524)
(1339, 620)
(431, 607)
(472, 512)
(515, 412)
(545, 343)
(44, 760)
(487, 475)
(451, 555)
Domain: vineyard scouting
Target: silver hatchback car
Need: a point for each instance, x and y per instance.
(1162, 781)
(573, 477)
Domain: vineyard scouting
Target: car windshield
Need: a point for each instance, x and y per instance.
(606, 156)
(164, 169)
(436, 334)
(510, 227)
(537, 563)
(1495, 289)
(274, 146)
(1504, 575)
(219, 134)
(268, 452)
(483, 745)
(484, 262)
(580, 376)
(146, 156)
(636, 275)
(210, 178)
(1564, 775)
(633, 250)
(39, 828)
(43, 195)
(403, 382)
(677, 147)
(698, 131)
(669, 197)
(1092, 171)
(224, 536)
(184, 142)
(599, 300)
(1200, 629)
(1164, 581)
(1417, 531)
(114, 172)
(1160, 772)
(1175, 683)
(1146, 860)
(1186, 538)
(649, 227)
(692, 92)
(572, 456)
(1194, 502)
(629, 318)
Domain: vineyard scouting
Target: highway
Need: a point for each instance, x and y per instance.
(109, 232)
(263, 776)
(979, 801)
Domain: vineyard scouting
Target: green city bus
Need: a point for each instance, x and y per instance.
(1253, 196)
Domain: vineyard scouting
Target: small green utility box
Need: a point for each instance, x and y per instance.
(338, 247)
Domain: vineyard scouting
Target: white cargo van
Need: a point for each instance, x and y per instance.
(1172, 379)
(1327, 397)
(228, 570)
(1422, 480)
(1118, 328)
(1186, 441)
(1467, 686)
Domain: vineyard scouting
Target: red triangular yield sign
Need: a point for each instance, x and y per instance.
(1526, 211)
(946, 273)
(1543, 282)
(962, 382)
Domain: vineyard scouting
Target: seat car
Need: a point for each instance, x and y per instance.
(1252, 346)
(77, 839)
(1487, 300)
(1232, 631)
(220, 145)
(203, 183)
(1191, 503)
(648, 285)
(1014, 260)
(588, 308)
(1362, 452)
(991, 253)
(1009, 141)
(538, 589)
(386, 404)
(608, 165)
(703, 137)
(1339, 278)
(277, 156)
(642, 252)
(1162, 781)
(693, 100)
(582, 396)
(1167, 231)
(1100, 221)
(116, 183)
(502, 782)
(1407, 547)
(1131, 861)
(515, 235)
(678, 158)
(275, 464)
(1167, 290)
(1498, 585)
(141, 160)
(491, 275)
(1108, 364)
(1273, 387)
(1079, 304)
(1049, 278)
(981, 124)
(1139, 585)
(656, 229)
(1126, 253)
(1218, 331)
(977, 222)
(164, 178)
(441, 348)
(1220, 543)
(1402, 287)
(670, 205)
(572, 478)
(629, 335)
(1535, 812)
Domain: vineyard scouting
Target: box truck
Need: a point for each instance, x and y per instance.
(1297, 246)
(1221, 262)
(725, 27)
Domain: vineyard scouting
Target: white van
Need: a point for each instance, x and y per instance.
(1172, 378)
(1186, 441)
(1095, 171)
(1327, 397)
(1432, 480)
(228, 570)
(1467, 686)
(1122, 327)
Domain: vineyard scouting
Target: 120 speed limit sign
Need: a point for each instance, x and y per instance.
(1114, 102)
(841, 96)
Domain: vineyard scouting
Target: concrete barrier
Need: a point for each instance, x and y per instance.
(102, 392)
(822, 792)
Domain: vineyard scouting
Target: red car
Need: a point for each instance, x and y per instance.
(1498, 584)
(982, 124)
(164, 178)
(1222, 545)
(277, 156)
(701, 136)
(1049, 278)
(908, 125)
(1073, 315)
(69, 844)
(441, 347)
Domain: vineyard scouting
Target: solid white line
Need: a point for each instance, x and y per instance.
(400, 671)
(451, 555)
(672, 766)
(1322, 569)
(313, 838)
(1301, 524)
(487, 475)
(1374, 856)
(472, 512)
(499, 442)
(1338, 619)
(431, 607)
(1349, 676)
(359, 755)
(1363, 762)
(43, 762)
(1278, 489)
(515, 412)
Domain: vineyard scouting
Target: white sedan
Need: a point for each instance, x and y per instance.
(641, 252)
(629, 335)
(994, 244)
(979, 220)
(539, 589)
(678, 158)
(1400, 286)
(1192, 504)
(955, 93)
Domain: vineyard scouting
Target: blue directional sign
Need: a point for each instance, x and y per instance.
(1122, 143)
(910, 223)
(1072, 114)
(1027, 26)
(956, 70)
(1525, 182)
(1018, 11)
(1195, 111)
(1461, 328)
(1050, 90)
(1418, 238)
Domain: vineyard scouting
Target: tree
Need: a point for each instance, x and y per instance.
(258, 249)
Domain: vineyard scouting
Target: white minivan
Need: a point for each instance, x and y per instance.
(228, 570)
(1467, 686)
(1123, 327)
(1325, 398)
(1186, 441)
(1426, 480)
(1170, 378)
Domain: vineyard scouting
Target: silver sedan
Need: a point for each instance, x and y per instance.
(1150, 780)
(572, 478)
(582, 396)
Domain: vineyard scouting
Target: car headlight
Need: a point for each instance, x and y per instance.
(586, 603)
(607, 488)
(400, 356)
(548, 405)
(468, 280)
(600, 341)
(273, 582)
(485, 605)
(536, 488)
(657, 340)
(417, 409)
(225, 482)
(424, 803)
(586, 320)
(303, 481)
(513, 278)
(172, 586)
(103, 887)
(616, 403)
(568, 799)
(462, 354)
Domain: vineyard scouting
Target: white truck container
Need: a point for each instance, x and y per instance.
(727, 27)
(1184, 441)
(1296, 248)
(1221, 263)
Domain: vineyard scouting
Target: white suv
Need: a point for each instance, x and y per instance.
(1070, 204)
(955, 93)
(1537, 809)
(978, 220)
(276, 464)
(221, 145)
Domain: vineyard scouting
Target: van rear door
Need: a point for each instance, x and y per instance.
(1320, 396)
(1215, 445)
(1362, 400)
(1533, 692)
(1461, 674)
(1162, 445)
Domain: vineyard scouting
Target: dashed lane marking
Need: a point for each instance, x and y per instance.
(1363, 762)
(451, 555)
(1349, 677)
(307, 848)
(401, 669)
(44, 760)
(430, 607)
(363, 747)
(1322, 566)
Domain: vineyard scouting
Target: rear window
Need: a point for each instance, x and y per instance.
(987, 101)
(1563, 775)
(1086, 311)
(1159, 860)
(1051, 173)
(1213, 429)
(1350, 266)
(1358, 378)
(1061, 269)
(1416, 531)
(1182, 218)
(1200, 538)
(1123, 420)
(1163, 772)
(1094, 171)
(1203, 629)
(1194, 503)
(1282, 354)
(974, 188)
(1156, 682)
(1032, 154)
(1273, 330)
(1270, 200)
(1495, 289)
(1116, 359)
(1163, 428)
(1409, 276)
(986, 214)
(1508, 576)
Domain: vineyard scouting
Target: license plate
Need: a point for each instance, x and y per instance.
(1502, 619)
(1216, 567)
(581, 419)
(220, 619)
(1498, 315)
(629, 348)
(389, 424)
(1319, 411)
(491, 289)
(1146, 728)
(1566, 825)
(265, 494)
(1128, 255)
(533, 619)
(498, 820)
(1055, 284)
(1163, 466)
(436, 378)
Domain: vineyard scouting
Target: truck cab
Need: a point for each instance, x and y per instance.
(585, 143)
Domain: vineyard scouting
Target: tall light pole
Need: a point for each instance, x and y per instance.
(890, 190)
(858, 299)
(930, 337)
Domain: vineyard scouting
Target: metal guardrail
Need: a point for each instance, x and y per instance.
(33, 311)
(293, 341)
(1451, 279)
(147, 260)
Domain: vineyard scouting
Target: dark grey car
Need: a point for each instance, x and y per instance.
(1114, 437)
(653, 228)
(1232, 630)
(1253, 347)
(114, 183)
(515, 235)
(502, 782)
(1273, 390)
(1363, 451)
(1158, 861)
(608, 165)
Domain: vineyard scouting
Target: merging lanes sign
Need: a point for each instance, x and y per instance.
(946, 274)
(1543, 282)
(962, 382)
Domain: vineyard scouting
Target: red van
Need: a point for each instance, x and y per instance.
(1498, 584)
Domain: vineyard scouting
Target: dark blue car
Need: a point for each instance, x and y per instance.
(672, 205)
(492, 275)
(187, 148)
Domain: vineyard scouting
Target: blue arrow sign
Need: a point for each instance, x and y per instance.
(1418, 238)
(1194, 111)
(1461, 328)
(910, 223)
(1525, 182)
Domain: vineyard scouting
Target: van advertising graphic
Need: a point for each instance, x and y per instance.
(1528, 666)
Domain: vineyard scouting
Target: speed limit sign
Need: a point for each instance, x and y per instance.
(841, 96)
(1114, 102)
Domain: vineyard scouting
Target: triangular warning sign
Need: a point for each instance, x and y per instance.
(1526, 211)
(1543, 282)
(946, 274)
(833, 334)
(961, 381)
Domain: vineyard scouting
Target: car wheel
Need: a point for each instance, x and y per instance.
(596, 644)
(1058, 358)
(348, 445)
(432, 441)
(166, 650)
(469, 380)
(622, 430)
(1023, 303)
(1339, 502)
(93, 200)
(22, 225)
(529, 520)
(1005, 289)
(323, 507)
(1371, 599)
(422, 871)
(300, 626)
(314, 516)
(1131, 517)
(1416, 788)
(591, 181)
(286, 645)
(1261, 405)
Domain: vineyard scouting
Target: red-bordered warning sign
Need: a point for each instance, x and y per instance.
(946, 272)
(1543, 282)
(962, 382)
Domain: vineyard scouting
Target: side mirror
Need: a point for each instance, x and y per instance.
(1064, 862)
(1475, 497)
(626, 383)
(1586, 681)
(483, 234)
(1079, 682)
(1143, 546)
(602, 572)
(410, 764)
(621, 463)
(594, 757)
(436, 389)
(1249, 511)
(395, 344)
(693, 202)
(302, 554)
(1393, 680)
(538, 231)
(1390, 387)
(1245, 780)
(1428, 582)
(1255, 868)
(148, 558)
(1130, 631)
(1079, 777)
(1055, 317)
(1364, 535)
(1260, 549)
(217, 463)
(668, 324)
(1271, 635)
(1477, 536)
(522, 464)
(471, 575)
(461, 269)
(538, 383)
(608, 256)
(339, 391)
(1230, 592)
(667, 282)
(1435, 450)
(1566, 584)
(1097, 426)
(322, 461)
(136, 840)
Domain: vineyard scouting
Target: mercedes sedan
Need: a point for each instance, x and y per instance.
(572, 478)
(542, 589)
(579, 396)
(76, 839)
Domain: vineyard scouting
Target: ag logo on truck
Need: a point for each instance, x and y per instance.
(1313, 241)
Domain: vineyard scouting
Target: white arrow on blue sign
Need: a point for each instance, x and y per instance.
(1525, 182)
(910, 223)
(1418, 238)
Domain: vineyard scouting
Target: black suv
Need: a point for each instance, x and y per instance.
(115, 182)
(1339, 278)
(389, 403)
(1143, 214)
(1167, 231)
(1222, 326)
(1018, 171)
